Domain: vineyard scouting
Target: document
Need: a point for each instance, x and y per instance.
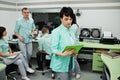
(12, 57)
(75, 47)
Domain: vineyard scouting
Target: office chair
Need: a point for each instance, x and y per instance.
(10, 70)
(41, 58)
(48, 70)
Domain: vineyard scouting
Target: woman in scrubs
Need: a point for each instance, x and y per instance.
(7, 54)
(63, 62)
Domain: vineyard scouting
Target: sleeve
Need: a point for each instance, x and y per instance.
(33, 25)
(55, 41)
(40, 44)
(17, 27)
(77, 33)
(0, 48)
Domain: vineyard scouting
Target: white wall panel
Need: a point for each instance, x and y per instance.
(8, 19)
(108, 20)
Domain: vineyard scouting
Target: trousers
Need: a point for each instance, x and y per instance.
(26, 49)
(20, 61)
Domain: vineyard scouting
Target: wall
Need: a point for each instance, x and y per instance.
(108, 20)
(100, 13)
(8, 19)
(94, 13)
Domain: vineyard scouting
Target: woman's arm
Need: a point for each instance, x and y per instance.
(4, 55)
(9, 54)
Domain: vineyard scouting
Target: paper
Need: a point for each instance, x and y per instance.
(76, 47)
(107, 34)
(11, 57)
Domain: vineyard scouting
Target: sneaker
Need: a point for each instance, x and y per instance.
(25, 78)
(78, 76)
(30, 70)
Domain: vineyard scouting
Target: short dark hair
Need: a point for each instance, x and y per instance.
(2, 29)
(67, 11)
(25, 8)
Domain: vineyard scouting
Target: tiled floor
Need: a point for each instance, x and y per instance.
(86, 73)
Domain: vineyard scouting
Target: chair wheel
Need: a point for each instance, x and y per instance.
(43, 73)
(14, 78)
(53, 76)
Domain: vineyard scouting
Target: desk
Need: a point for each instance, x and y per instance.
(97, 64)
(100, 45)
(113, 65)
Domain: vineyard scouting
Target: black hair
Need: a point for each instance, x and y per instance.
(2, 29)
(67, 11)
(74, 19)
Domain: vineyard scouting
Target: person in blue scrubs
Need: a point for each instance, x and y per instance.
(7, 55)
(24, 30)
(63, 62)
(44, 49)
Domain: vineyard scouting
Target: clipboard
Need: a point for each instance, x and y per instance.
(76, 47)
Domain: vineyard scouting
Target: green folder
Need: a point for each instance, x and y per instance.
(76, 47)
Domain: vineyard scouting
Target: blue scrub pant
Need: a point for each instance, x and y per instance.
(20, 61)
(26, 49)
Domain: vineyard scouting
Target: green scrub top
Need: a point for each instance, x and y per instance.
(45, 44)
(61, 37)
(24, 28)
(4, 46)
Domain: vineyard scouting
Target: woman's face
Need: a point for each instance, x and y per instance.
(66, 21)
(4, 33)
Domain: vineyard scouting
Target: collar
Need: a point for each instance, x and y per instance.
(25, 19)
(63, 27)
(46, 34)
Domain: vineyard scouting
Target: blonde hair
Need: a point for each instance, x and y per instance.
(45, 30)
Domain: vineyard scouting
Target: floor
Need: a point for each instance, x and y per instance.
(86, 73)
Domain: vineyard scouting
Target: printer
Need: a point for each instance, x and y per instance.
(107, 38)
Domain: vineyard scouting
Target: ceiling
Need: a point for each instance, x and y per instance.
(57, 4)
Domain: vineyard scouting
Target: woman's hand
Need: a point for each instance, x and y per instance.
(33, 33)
(15, 53)
(1, 59)
(69, 52)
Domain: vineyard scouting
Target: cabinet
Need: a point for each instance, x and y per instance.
(97, 64)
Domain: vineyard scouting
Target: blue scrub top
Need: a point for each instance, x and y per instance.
(24, 28)
(45, 44)
(61, 37)
(4, 46)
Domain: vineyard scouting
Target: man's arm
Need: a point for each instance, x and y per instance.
(42, 51)
(19, 37)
